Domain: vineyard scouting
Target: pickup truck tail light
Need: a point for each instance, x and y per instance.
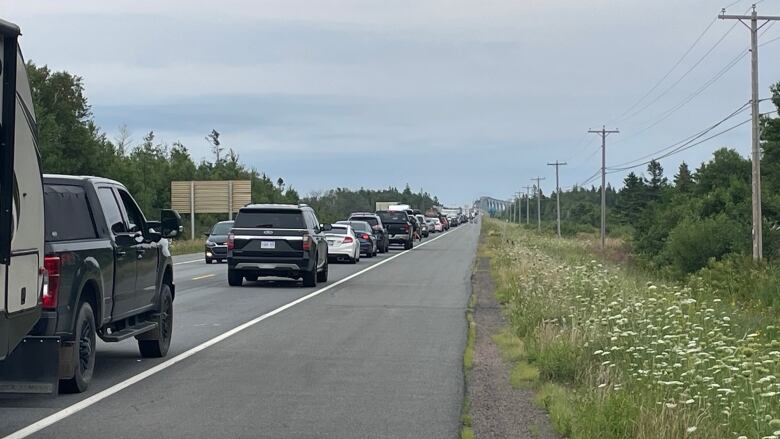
(231, 242)
(51, 286)
(406, 227)
(306, 242)
(347, 239)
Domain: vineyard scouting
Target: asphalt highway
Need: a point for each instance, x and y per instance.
(375, 352)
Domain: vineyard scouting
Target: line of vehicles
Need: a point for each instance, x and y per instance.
(79, 260)
(286, 240)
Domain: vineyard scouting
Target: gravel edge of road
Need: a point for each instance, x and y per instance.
(494, 407)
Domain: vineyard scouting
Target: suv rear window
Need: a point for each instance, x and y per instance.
(369, 219)
(393, 217)
(270, 219)
(67, 216)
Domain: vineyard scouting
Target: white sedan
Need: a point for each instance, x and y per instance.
(343, 244)
(436, 224)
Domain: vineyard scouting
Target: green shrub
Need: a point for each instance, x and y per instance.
(738, 279)
(692, 243)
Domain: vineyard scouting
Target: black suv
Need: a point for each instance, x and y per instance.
(282, 240)
(382, 236)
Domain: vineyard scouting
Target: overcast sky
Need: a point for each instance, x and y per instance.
(459, 97)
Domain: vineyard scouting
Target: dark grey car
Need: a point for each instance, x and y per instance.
(216, 242)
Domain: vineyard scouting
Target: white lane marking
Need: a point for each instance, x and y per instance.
(204, 276)
(85, 403)
(189, 262)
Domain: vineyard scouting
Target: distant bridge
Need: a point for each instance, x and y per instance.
(492, 205)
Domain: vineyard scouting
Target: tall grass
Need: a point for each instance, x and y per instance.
(640, 358)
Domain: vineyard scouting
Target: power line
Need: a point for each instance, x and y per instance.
(671, 70)
(685, 75)
(691, 137)
(688, 146)
(670, 111)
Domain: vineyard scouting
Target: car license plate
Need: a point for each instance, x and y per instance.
(268, 244)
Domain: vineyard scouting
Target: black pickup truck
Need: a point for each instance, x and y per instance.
(110, 273)
(399, 227)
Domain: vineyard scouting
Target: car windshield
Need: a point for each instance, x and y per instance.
(270, 219)
(222, 228)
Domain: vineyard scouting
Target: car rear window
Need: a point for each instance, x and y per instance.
(222, 228)
(67, 215)
(337, 231)
(360, 226)
(369, 219)
(392, 216)
(270, 219)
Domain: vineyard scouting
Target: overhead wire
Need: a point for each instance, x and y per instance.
(670, 71)
(690, 138)
(684, 75)
(666, 114)
(687, 146)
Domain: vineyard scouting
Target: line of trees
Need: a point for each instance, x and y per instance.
(71, 143)
(684, 222)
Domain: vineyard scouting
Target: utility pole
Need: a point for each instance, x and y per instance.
(518, 208)
(604, 132)
(756, 140)
(557, 165)
(538, 203)
(527, 204)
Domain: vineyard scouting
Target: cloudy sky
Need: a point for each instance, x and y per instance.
(459, 97)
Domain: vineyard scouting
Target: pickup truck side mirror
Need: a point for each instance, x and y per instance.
(170, 223)
(326, 227)
(125, 239)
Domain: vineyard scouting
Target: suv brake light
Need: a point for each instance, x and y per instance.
(51, 283)
(306, 242)
(365, 236)
(231, 243)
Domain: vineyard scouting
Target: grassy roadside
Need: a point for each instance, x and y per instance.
(619, 355)
(182, 247)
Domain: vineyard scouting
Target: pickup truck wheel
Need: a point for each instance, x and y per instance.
(409, 244)
(235, 279)
(83, 351)
(158, 347)
(322, 276)
(310, 278)
(209, 261)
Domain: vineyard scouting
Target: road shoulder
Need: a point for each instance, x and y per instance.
(497, 409)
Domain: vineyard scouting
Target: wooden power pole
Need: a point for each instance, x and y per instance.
(557, 165)
(603, 132)
(754, 27)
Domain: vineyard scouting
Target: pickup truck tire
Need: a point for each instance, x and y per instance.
(408, 245)
(158, 347)
(235, 278)
(310, 278)
(209, 261)
(83, 351)
(322, 276)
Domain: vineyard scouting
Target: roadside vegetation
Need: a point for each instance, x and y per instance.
(621, 353)
(665, 221)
